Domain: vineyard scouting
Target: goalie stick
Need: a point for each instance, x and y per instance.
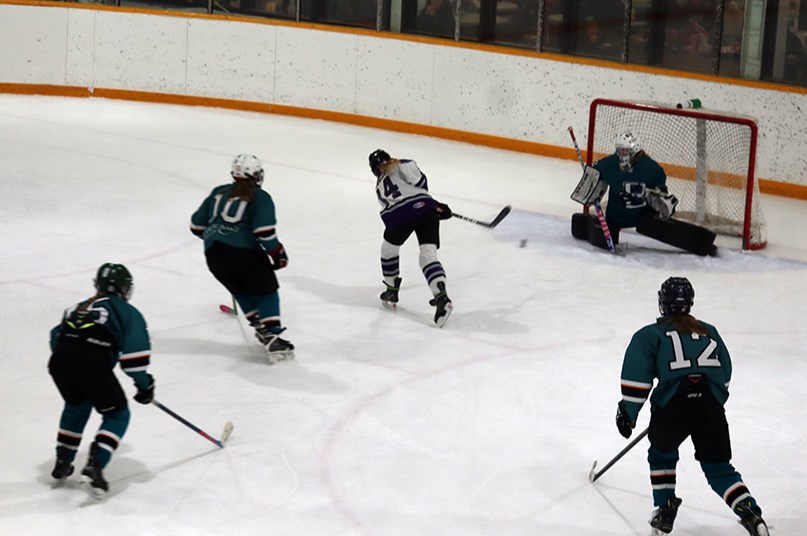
(592, 476)
(597, 207)
(490, 225)
(225, 434)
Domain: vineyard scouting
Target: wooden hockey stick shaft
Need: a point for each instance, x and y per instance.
(189, 424)
(594, 476)
(597, 208)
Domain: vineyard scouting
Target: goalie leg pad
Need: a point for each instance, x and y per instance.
(587, 227)
(581, 224)
(687, 236)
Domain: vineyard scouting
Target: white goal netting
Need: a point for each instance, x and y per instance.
(709, 157)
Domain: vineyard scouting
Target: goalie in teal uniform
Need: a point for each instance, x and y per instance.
(637, 197)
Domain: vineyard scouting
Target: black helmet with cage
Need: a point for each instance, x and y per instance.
(676, 297)
(114, 279)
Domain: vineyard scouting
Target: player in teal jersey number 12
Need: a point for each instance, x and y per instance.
(693, 368)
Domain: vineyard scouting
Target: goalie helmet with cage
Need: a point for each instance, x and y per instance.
(676, 297)
(247, 167)
(627, 147)
(114, 279)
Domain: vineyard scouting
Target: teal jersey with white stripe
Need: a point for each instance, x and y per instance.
(108, 323)
(645, 173)
(659, 352)
(236, 222)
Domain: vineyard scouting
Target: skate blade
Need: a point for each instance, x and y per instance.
(58, 483)
(95, 493)
(761, 530)
(392, 306)
(277, 357)
(442, 320)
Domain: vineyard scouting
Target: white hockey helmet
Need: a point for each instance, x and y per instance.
(247, 166)
(627, 146)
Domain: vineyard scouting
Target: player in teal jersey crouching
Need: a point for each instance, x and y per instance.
(637, 197)
(91, 339)
(693, 368)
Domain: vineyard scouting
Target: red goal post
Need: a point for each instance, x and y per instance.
(709, 157)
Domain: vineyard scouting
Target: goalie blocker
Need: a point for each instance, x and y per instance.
(677, 233)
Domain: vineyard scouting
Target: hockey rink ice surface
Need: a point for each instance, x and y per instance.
(384, 425)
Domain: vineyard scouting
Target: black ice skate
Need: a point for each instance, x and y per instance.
(664, 517)
(751, 519)
(61, 470)
(277, 349)
(389, 298)
(443, 305)
(92, 477)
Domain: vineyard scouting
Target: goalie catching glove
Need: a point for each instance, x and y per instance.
(663, 203)
(279, 258)
(590, 189)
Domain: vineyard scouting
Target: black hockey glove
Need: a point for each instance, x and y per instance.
(279, 258)
(623, 422)
(145, 394)
(443, 211)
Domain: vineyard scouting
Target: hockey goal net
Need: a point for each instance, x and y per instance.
(709, 158)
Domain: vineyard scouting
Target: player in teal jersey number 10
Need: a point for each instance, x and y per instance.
(237, 223)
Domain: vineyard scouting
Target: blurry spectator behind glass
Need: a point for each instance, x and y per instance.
(732, 28)
(795, 58)
(597, 42)
(436, 18)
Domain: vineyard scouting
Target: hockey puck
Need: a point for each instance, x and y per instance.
(522, 243)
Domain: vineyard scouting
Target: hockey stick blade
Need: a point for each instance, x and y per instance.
(226, 309)
(226, 433)
(591, 474)
(490, 225)
(502, 215)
